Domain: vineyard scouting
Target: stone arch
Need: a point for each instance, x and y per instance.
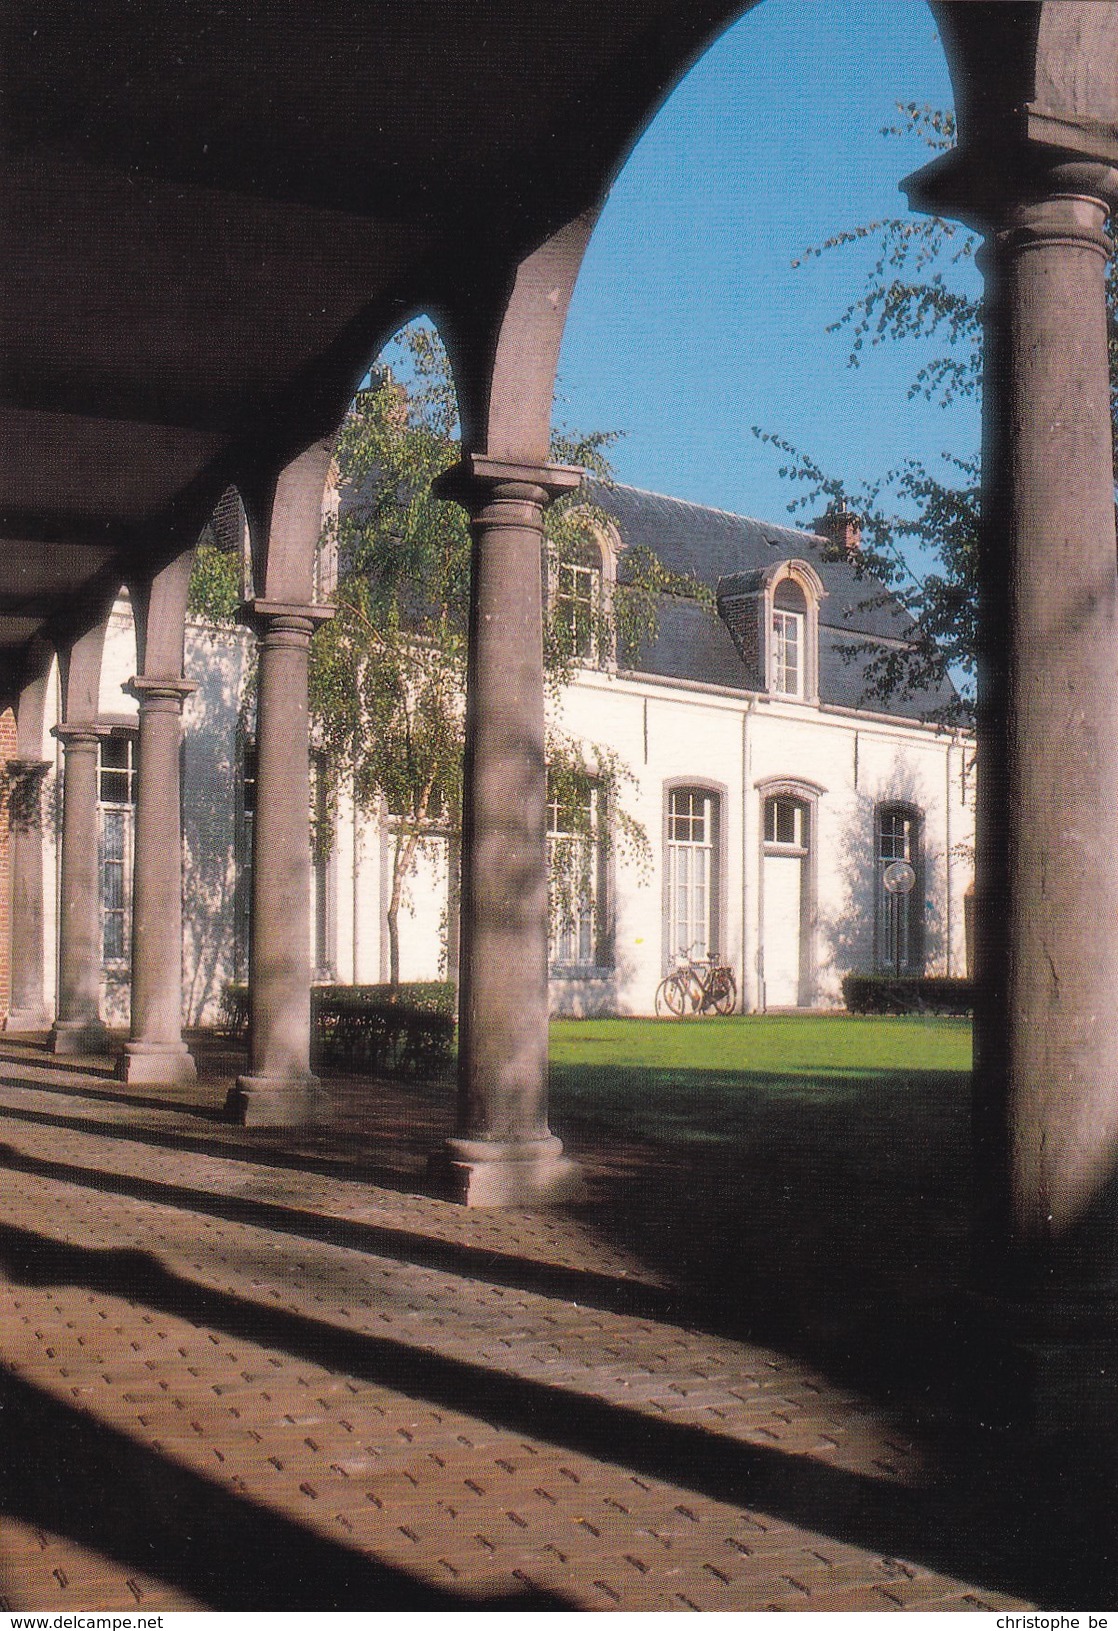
(284, 512)
(31, 704)
(79, 667)
(159, 616)
(1075, 82)
(504, 338)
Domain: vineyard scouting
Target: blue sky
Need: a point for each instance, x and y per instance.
(690, 324)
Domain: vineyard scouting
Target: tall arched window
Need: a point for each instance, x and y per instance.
(693, 868)
(900, 911)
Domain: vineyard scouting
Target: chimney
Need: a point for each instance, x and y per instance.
(842, 529)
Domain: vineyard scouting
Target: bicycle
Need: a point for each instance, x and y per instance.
(697, 986)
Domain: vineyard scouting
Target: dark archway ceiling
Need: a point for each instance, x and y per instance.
(215, 210)
(212, 212)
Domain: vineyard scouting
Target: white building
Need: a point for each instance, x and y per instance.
(773, 785)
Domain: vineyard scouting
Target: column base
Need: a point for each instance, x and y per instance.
(1041, 1368)
(475, 1173)
(78, 1036)
(28, 1019)
(156, 1064)
(278, 1101)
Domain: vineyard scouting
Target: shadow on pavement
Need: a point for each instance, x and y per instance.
(64, 1472)
(834, 1223)
(982, 1526)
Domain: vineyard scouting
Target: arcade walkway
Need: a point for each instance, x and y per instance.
(242, 1371)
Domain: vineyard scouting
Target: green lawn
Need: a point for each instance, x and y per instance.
(718, 1080)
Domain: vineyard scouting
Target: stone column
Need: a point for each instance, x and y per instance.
(28, 1010)
(78, 1028)
(156, 1052)
(503, 1152)
(1046, 1078)
(279, 1089)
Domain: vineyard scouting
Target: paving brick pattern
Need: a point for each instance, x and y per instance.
(242, 1383)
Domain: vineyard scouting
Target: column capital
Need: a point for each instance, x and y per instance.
(80, 733)
(477, 478)
(153, 693)
(265, 617)
(27, 769)
(996, 192)
(25, 779)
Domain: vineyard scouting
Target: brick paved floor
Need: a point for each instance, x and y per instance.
(247, 1371)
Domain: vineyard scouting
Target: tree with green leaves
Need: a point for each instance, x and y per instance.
(911, 293)
(388, 673)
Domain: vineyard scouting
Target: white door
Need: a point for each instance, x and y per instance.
(781, 929)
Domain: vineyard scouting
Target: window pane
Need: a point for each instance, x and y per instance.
(577, 596)
(117, 777)
(899, 917)
(690, 925)
(786, 822)
(114, 851)
(787, 629)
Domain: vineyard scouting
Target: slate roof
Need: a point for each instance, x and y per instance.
(859, 618)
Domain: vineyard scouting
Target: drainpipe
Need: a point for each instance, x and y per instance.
(746, 752)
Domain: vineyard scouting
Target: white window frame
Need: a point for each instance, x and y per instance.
(578, 599)
(788, 650)
(777, 842)
(692, 870)
(322, 876)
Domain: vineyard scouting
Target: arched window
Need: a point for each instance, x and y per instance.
(773, 619)
(900, 911)
(693, 854)
(581, 569)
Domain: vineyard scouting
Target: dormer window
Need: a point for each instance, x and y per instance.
(581, 568)
(578, 599)
(773, 619)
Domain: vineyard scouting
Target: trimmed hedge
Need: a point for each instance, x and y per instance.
(907, 994)
(408, 1031)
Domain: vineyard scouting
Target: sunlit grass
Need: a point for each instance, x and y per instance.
(809, 1044)
(716, 1080)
